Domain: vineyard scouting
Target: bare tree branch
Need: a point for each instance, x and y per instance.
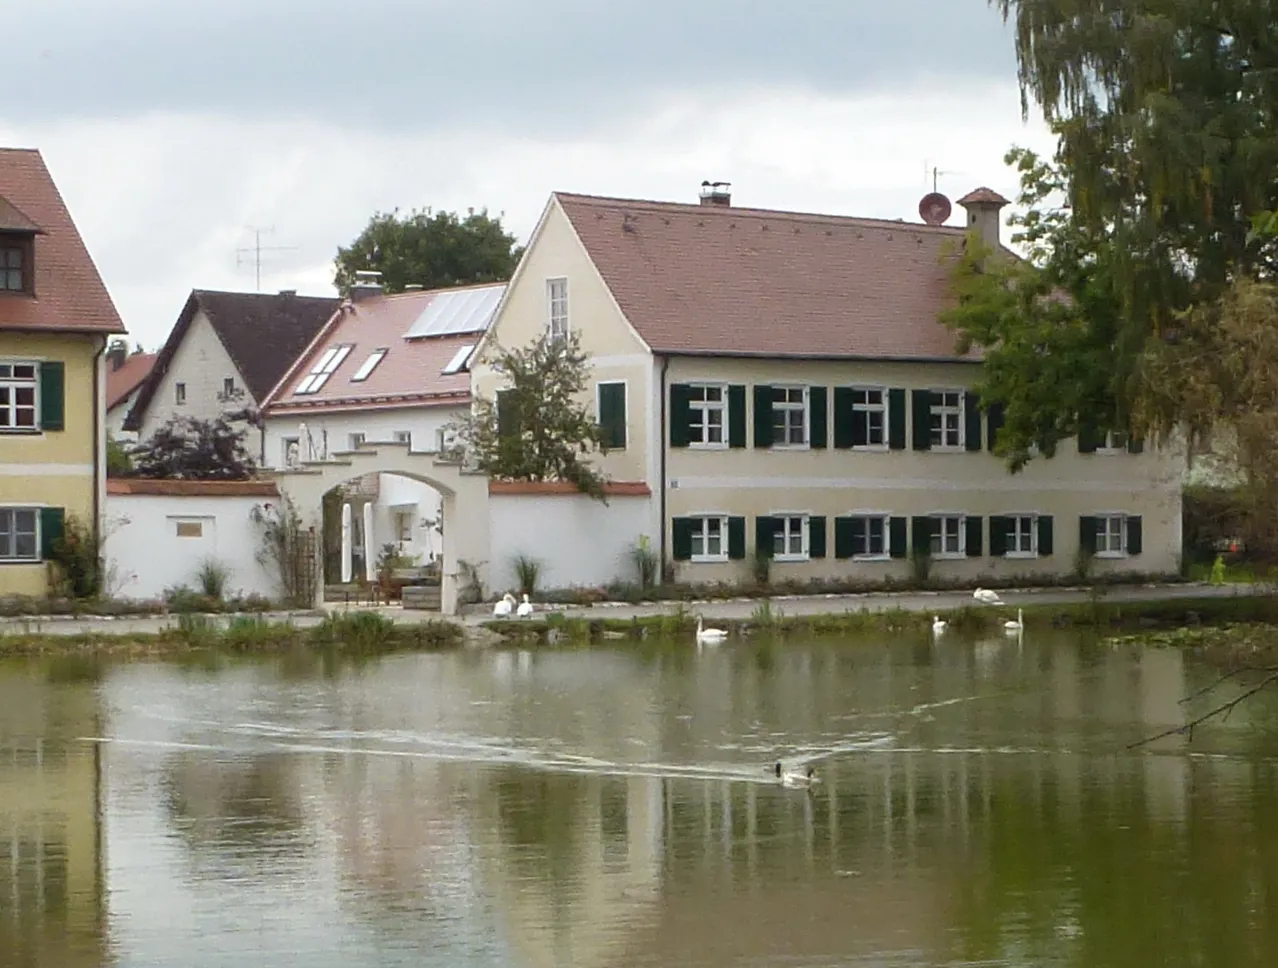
(1224, 709)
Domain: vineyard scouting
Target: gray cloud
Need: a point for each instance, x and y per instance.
(550, 65)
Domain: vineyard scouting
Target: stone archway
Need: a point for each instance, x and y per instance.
(464, 494)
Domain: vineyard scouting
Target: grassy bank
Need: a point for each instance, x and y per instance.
(768, 620)
(353, 633)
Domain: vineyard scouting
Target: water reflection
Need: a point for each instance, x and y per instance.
(613, 808)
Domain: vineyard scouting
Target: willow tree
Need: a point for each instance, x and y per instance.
(1165, 114)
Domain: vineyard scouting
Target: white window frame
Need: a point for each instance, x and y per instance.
(12, 511)
(943, 410)
(179, 394)
(1017, 552)
(399, 519)
(1103, 518)
(355, 439)
(285, 444)
(960, 550)
(1115, 442)
(867, 409)
(370, 364)
(13, 384)
(784, 532)
(788, 407)
(885, 520)
(324, 368)
(625, 414)
(701, 529)
(706, 407)
(557, 307)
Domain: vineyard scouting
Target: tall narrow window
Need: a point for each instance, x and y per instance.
(612, 415)
(13, 276)
(557, 298)
(706, 406)
(179, 393)
(947, 419)
(789, 416)
(869, 417)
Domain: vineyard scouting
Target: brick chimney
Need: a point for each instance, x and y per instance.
(983, 207)
(716, 193)
(368, 283)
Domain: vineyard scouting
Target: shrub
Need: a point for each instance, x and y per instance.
(212, 578)
(527, 571)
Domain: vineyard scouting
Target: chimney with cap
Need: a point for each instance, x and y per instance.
(117, 353)
(983, 207)
(716, 193)
(368, 283)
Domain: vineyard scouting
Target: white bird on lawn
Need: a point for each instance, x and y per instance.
(987, 597)
(792, 779)
(938, 626)
(504, 607)
(709, 636)
(525, 608)
(1012, 627)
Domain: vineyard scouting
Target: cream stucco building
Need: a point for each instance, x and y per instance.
(781, 381)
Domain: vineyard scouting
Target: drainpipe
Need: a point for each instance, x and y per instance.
(661, 434)
(99, 448)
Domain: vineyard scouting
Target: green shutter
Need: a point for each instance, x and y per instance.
(762, 415)
(52, 527)
(736, 415)
(736, 538)
(1087, 534)
(1134, 543)
(1044, 534)
(612, 415)
(973, 537)
(817, 419)
(53, 392)
(921, 529)
(972, 421)
(681, 539)
(844, 541)
(898, 544)
(680, 414)
(507, 414)
(1135, 445)
(1089, 438)
(843, 416)
(896, 419)
(998, 535)
(765, 531)
(922, 407)
(816, 536)
(994, 423)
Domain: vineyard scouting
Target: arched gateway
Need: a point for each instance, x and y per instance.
(464, 494)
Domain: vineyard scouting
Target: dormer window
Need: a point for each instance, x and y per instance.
(15, 264)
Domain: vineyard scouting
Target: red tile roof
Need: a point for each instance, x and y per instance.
(69, 293)
(723, 281)
(120, 383)
(168, 488)
(983, 195)
(410, 374)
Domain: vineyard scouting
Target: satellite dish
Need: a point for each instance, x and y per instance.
(934, 208)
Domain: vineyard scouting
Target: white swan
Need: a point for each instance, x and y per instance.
(709, 636)
(987, 597)
(938, 626)
(792, 779)
(504, 607)
(525, 609)
(1012, 627)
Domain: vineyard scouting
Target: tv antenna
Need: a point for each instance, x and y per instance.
(254, 252)
(934, 172)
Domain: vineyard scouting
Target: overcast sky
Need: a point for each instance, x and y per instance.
(173, 128)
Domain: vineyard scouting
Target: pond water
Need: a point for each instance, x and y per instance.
(612, 807)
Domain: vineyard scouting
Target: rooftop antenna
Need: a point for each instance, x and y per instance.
(934, 173)
(254, 252)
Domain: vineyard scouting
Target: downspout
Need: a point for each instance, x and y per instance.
(661, 433)
(99, 449)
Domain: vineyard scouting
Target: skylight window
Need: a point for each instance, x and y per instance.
(368, 366)
(324, 368)
(459, 359)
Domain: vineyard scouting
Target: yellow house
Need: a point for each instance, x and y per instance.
(783, 383)
(55, 319)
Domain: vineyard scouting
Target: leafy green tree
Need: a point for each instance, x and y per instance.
(118, 461)
(430, 249)
(537, 428)
(185, 448)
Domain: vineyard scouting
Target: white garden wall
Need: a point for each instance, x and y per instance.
(160, 532)
(578, 540)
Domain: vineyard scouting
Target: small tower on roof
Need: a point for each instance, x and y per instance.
(983, 206)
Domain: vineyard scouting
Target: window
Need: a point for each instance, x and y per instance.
(228, 386)
(291, 451)
(1111, 534)
(179, 393)
(707, 405)
(790, 539)
(403, 437)
(557, 297)
(869, 536)
(710, 539)
(19, 534)
(18, 385)
(12, 267)
(1022, 536)
(611, 408)
(355, 440)
(789, 416)
(947, 535)
(324, 367)
(189, 529)
(368, 365)
(404, 525)
(947, 418)
(459, 360)
(869, 417)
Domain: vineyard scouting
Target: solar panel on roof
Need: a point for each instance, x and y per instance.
(452, 313)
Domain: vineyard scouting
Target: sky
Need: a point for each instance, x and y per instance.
(176, 130)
